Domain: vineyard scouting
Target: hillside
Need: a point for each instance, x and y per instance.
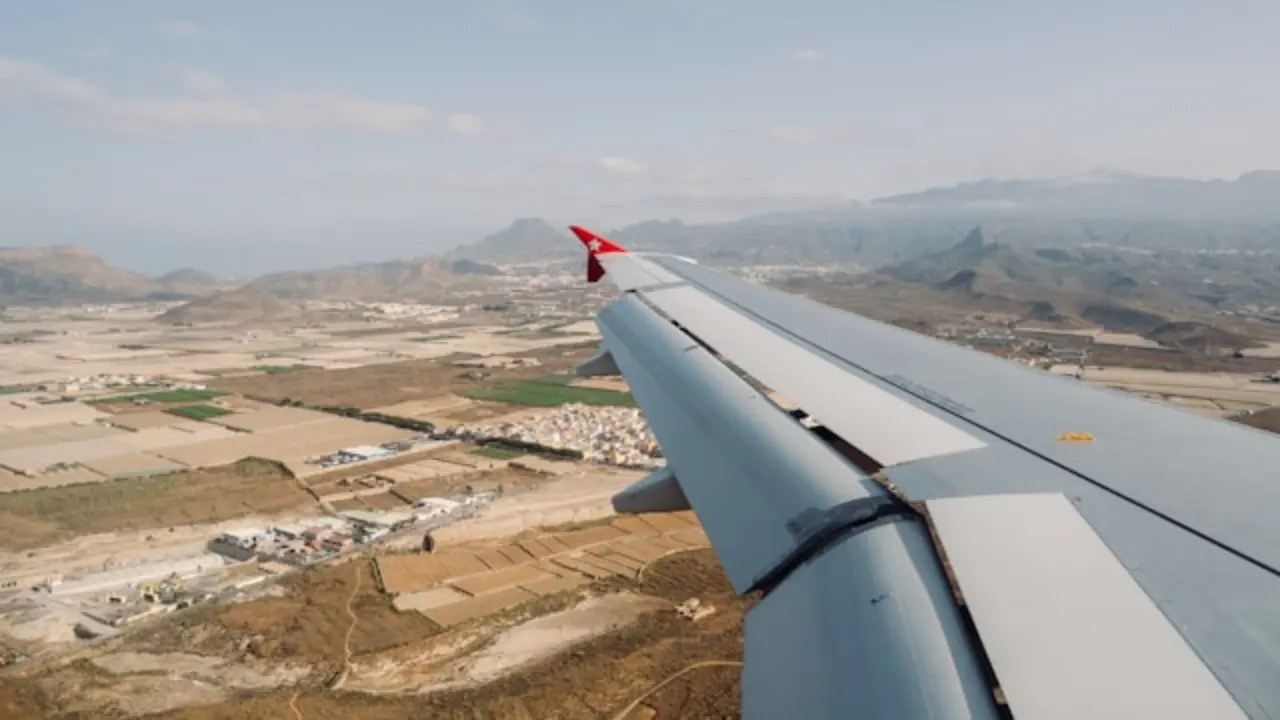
(471, 267)
(1052, 285)
(525, 240)
(1199, 337)
(189, 277)
(65, 274)
(242, 305)
(393, 280)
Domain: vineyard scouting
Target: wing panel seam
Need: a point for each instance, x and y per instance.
(1262, 565)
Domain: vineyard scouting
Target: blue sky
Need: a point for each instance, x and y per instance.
(290, 134)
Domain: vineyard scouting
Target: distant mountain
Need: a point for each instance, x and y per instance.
(1106, 194)
(188, 277)
(471, 267)
(65, 274)
(394, 280)
(242, 305)
(1047, 284)
(971, 264)
(525, 240)
(1103, 209)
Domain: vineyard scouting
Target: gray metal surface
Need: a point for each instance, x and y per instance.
(1224, 606)
(1068, 631)
(865, 630)
(599, 364)
(630, 270)
(1165, 459)
(1186, 503)
(869, 418)
(747, 468)
(659, 491)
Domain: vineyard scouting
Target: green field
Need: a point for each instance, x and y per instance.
(199, 412)
(160, 396)
(496, 453)
(434, 338)
(278, 369)
(11, 390)
(550, 391)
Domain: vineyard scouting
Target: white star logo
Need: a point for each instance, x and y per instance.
(594, 245)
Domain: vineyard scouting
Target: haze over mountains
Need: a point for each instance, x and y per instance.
(1165, 241)
(1118, 290)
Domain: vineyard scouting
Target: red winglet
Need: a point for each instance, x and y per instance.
(595, 245)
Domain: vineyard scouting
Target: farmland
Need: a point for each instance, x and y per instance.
(198, 412)
(497, 453)
(278, 369)
(35, 518)
(159, 396)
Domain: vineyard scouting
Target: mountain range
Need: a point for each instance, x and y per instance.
(1106, 208)
(1163, 241)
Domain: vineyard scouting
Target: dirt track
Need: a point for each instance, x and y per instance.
(309, 625)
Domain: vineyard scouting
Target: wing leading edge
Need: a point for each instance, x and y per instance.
(732, 454)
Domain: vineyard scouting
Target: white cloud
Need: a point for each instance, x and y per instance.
(467, 124)
(203, 83)
(795, 134)
(208, 104)
(807, 54)
(21, 78)
(623, 166)
(146, 116)
(176, 28)
(341, 111)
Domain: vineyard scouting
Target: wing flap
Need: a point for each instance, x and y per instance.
(884, 426)
(631, 270)
(1069, 632)
(1159, 458)
(867, 629)
(751, 473)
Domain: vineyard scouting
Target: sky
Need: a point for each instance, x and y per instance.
(238, 135)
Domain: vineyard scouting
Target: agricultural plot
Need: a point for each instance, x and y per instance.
(198, 412)
(496, 453)
(550, 391)
(280, 369)
(35, 518)
(159, 396)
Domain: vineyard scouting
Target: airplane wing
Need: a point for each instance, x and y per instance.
(939, 533)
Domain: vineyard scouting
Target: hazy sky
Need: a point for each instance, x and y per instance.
(304, 133)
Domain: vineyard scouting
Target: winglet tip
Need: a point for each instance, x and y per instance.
(595, 244)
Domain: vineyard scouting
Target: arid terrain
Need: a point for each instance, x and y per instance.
(217, 506)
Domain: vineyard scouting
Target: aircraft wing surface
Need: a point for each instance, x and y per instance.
(925, 522)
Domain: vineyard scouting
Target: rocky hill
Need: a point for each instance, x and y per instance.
(189, 277)
(525, 240)
(393, 280)
(242, 305)
(1055, 285)
(1199, 336)
(471, 267)
(65, 274)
